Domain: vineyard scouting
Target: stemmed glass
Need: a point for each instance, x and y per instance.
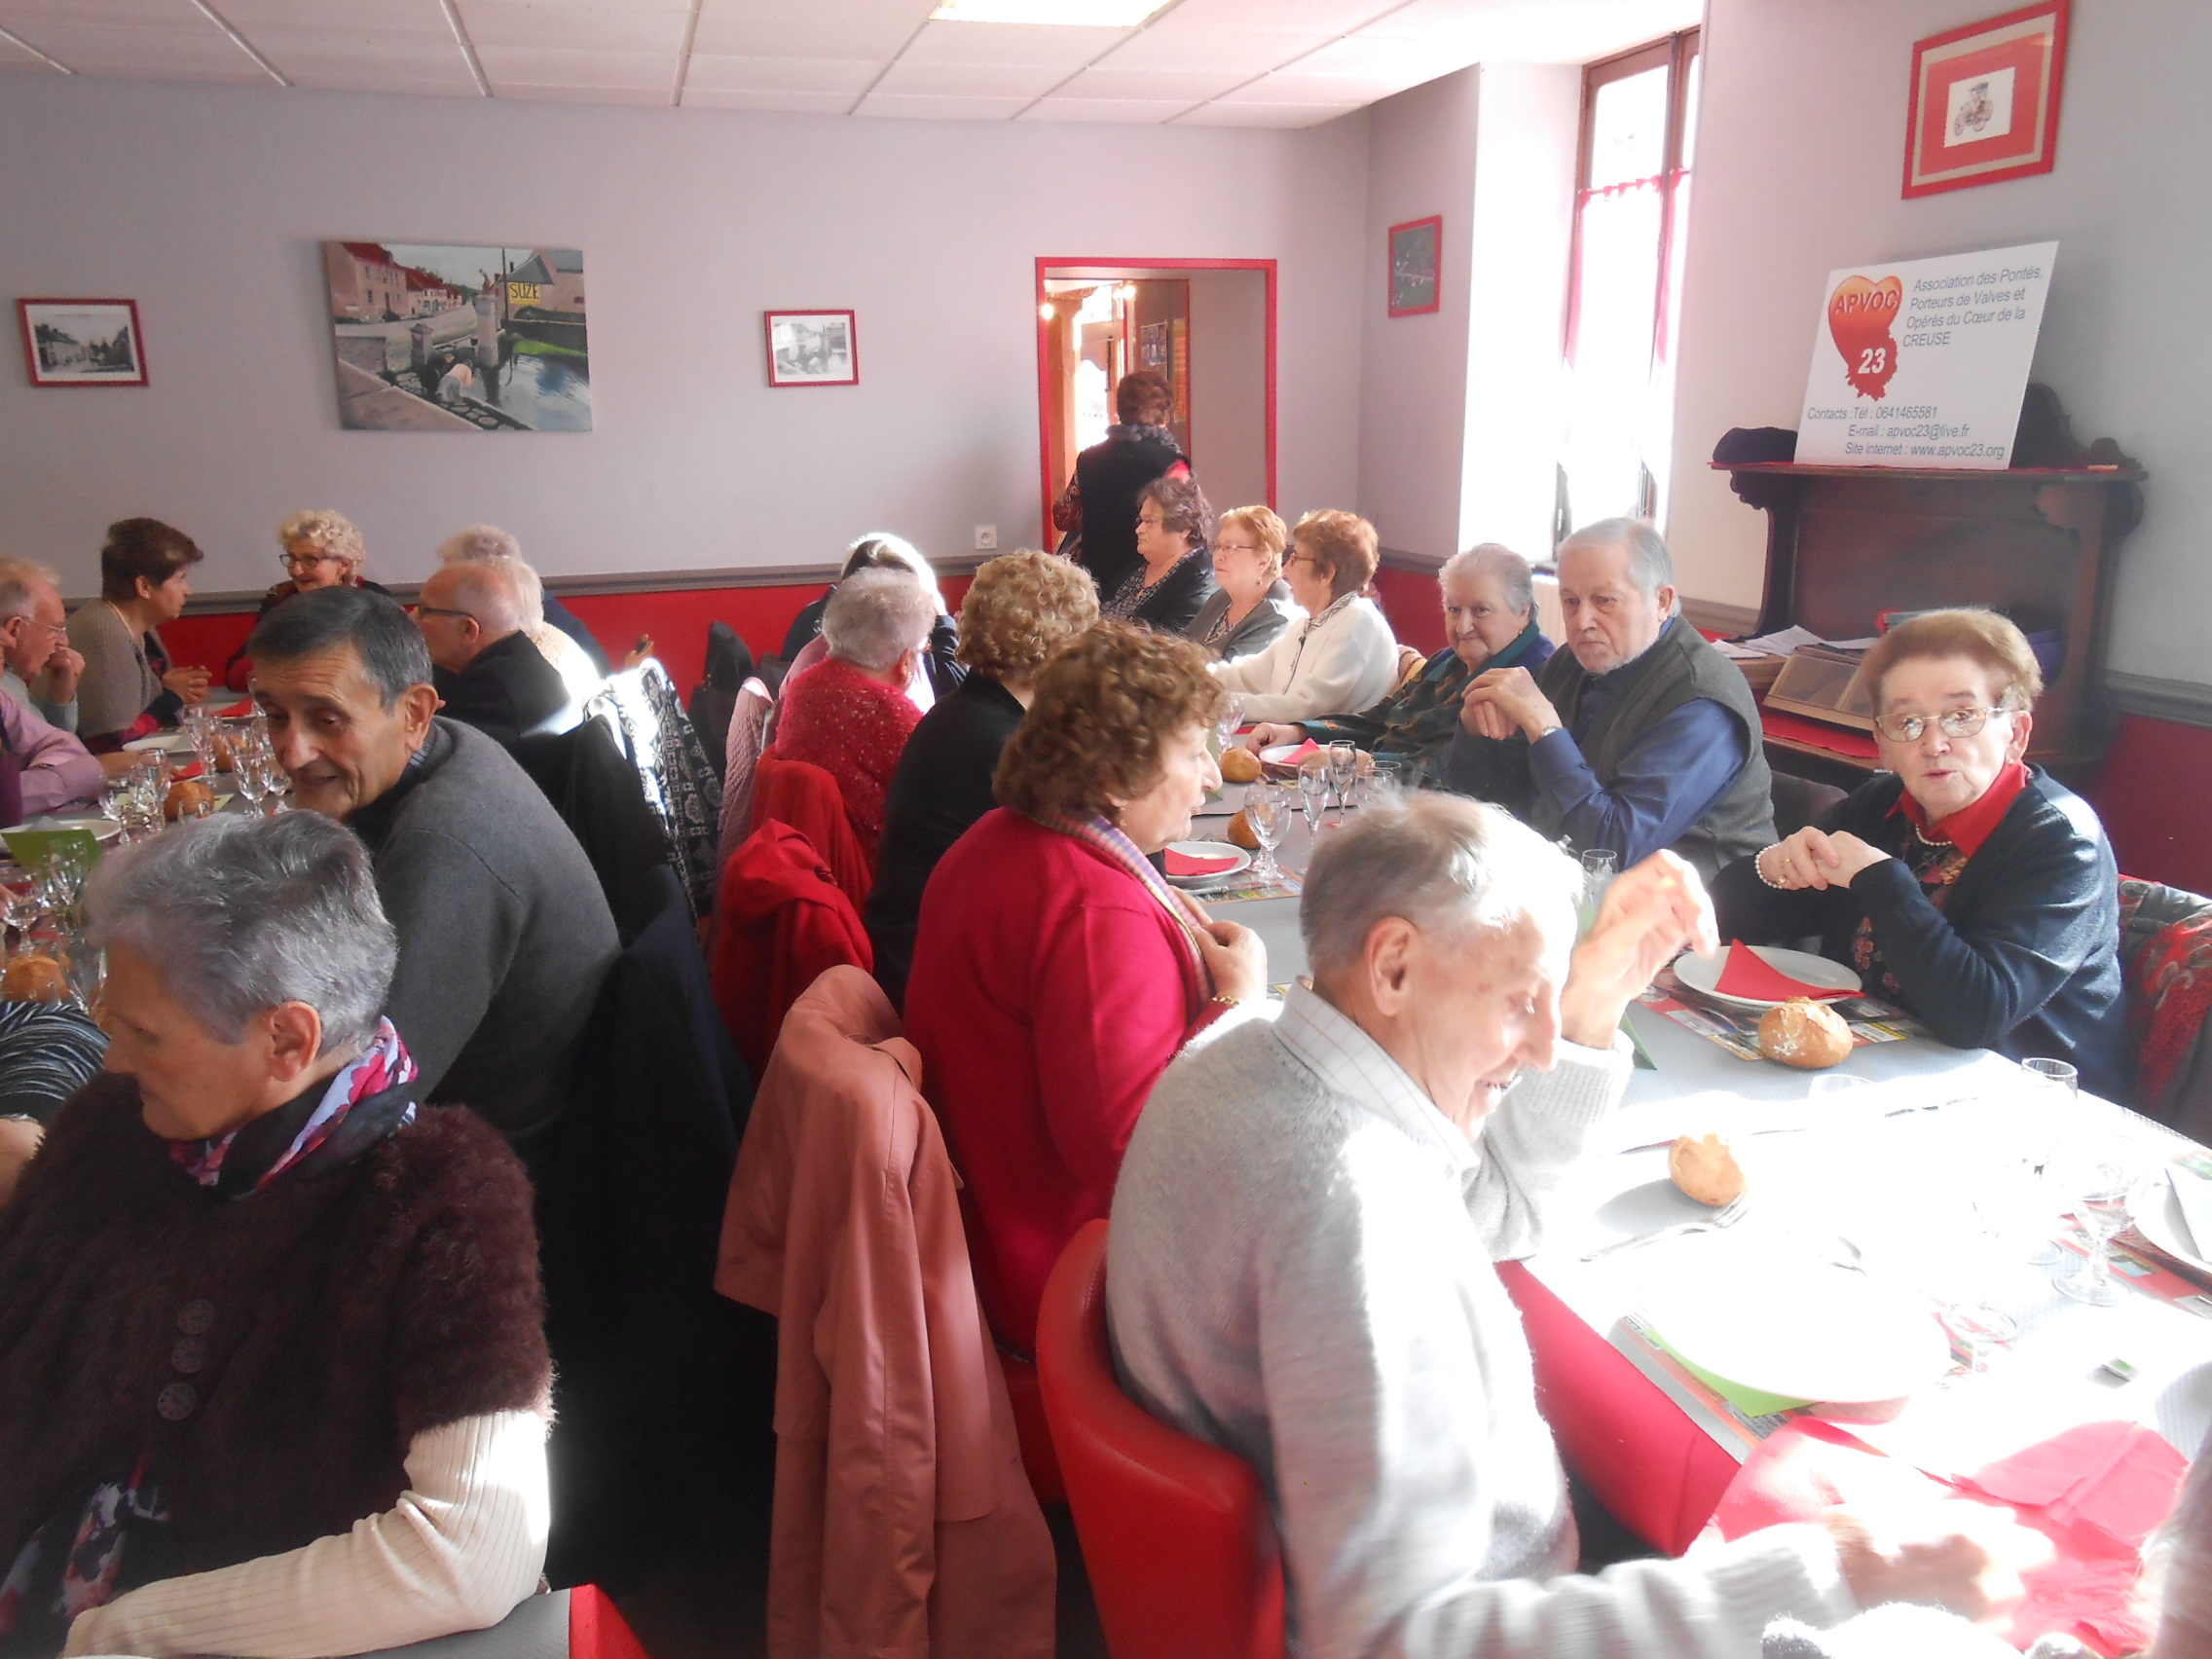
(1231, 717)
(1343, 768)
(1314, 795)
(1266, 808)
(1600, 866)
(252, 779)
(142, 805)
(115, 800)
(2049, 1113)
(272, 780)
(2104, 1188)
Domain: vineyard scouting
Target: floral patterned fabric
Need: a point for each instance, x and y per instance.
(640, 707)
(2167, 956)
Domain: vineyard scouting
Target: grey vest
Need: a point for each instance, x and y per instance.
(1680, 667)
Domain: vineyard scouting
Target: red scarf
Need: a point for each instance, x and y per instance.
(1973, 824)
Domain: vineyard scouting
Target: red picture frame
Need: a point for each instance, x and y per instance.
(1985, 99)
(1413, 281)
(84, 355)
(804, 349)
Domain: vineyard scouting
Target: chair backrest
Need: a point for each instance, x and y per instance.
(639, 704)
(781, 920)
(805, 796)
(1799, 801)
(2165, 960)
(1177, 1536)
(741, 744)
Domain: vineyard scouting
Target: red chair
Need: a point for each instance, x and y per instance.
(806, 798)
(1025, 1391)
(1177, 1535)
(781, 921)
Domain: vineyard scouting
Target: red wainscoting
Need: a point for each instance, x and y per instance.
(2153, 791)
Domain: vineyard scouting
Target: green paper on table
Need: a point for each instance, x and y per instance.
(1749, 1401)
(33, 847)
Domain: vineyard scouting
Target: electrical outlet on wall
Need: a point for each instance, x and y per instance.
(987, 537)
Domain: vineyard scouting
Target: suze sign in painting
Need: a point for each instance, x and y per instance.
(1923, 362)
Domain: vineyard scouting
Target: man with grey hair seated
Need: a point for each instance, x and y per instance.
(37, 667)
(1300, 1262)
(1490, 621)
(1639, 735)
(486, 668)
(559, 633)
(849, 713)
(504, 933)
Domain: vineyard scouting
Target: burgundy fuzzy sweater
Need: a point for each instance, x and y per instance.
(315, 1328)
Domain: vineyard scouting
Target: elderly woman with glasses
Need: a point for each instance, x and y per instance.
(1171, 584)
(272, 1367)
(1968, 887)
(1343, 658)
(1251, 605)
(320, 549)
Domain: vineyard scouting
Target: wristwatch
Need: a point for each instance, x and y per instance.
(1549, 728)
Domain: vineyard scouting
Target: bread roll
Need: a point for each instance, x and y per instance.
(1239, 765)
(1241, 833)
(1800, 1032)
(33, 978)
(1705, 1167)
(187, 799)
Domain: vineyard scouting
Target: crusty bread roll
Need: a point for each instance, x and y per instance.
(1800, 1032)
(186, 797)
(1705, 1167)
(33, 978)
(1239, 765)
(1241, 833)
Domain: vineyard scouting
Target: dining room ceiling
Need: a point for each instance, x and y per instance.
(1194, 62)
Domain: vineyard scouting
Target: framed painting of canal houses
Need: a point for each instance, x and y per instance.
(447, 338)
(83, 341)
(812, 348)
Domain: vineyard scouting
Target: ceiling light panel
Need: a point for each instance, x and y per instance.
(1321, 18)
(859, 30)
(1049, 14)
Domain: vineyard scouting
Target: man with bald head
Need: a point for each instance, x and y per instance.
(487, 670)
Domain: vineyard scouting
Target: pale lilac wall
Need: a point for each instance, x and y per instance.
(206, 204)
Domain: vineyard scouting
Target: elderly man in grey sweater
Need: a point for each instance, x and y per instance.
(1300, 1267)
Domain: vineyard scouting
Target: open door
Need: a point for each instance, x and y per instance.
(1207, 325)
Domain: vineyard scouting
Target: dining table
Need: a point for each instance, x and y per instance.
(1897, 1176)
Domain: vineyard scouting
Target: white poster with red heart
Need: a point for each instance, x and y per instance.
(1925, 362)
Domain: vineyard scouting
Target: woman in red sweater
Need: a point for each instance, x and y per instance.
(1055, 974)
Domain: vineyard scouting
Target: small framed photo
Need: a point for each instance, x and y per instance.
(812, 348)
(83, 341)
(1985, 101)
(1413, 265)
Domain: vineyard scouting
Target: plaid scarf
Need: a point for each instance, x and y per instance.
(1121, 851)
(383, 1065)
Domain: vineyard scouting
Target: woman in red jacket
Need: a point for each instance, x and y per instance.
(1055, 974)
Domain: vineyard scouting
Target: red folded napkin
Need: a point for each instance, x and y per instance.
(1188, 864)
(1308, 747)
(1748, 974)
(190, 769)
(2096, 1492)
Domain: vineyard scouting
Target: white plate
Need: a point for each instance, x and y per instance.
(1802, 1330)
(102, 828)
(1702, 974)
(1280, 754)
(2158, 1218)
(166, 742)
(1209, 850)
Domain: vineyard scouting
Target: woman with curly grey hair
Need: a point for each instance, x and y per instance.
(1055, 974)
(319, 548)
(1020, 610)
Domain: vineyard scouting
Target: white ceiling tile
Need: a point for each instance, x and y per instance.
(513, 22)
(857, 28)
(915, 107)
(1348, 91)
(1182, 86)
(581, 95)
(15, 57)
(415, 55)
(1376, 58)
(813, 76)
(1278, 17)
(1536, 31)
(1263, 115)
(144, 53)
(797, 103)
(1009, 43)
(973, 80)
(363, 17)
(26, 16)
(340, 77)
(564, 66)
(1118, 111)
(1166, 46)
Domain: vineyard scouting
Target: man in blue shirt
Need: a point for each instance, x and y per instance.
(1637, 737)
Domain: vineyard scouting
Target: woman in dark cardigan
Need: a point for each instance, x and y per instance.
(1168, 590)
(272, 1367)
(1970, 888)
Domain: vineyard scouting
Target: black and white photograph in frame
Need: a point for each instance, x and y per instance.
(83, 341)
(812, 348)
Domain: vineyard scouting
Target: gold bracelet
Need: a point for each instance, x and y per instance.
(1227, 1002)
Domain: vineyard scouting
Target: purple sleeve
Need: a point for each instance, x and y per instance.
(57, 769)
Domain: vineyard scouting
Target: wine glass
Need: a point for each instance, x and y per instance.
(115, 798)
(1600, 865)
(2103, 1187)
(2048, 1112)
(275, 780)
(1231, 717)
(1979, 1326)
(1343, 768)
(1314, 795)
(253, 780)
(1266, 808)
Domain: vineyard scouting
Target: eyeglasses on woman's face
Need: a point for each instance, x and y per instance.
(307, 561)
(1951, 722)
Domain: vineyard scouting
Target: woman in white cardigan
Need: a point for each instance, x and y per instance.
(1342, 657)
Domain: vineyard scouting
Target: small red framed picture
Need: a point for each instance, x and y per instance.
(1985, 101)
(812, 348)
(1415, 247)
(83, 341)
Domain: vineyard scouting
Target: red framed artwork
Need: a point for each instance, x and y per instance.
(83, 341)
(1985, 101)
(1416, 251)
(812, 348)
